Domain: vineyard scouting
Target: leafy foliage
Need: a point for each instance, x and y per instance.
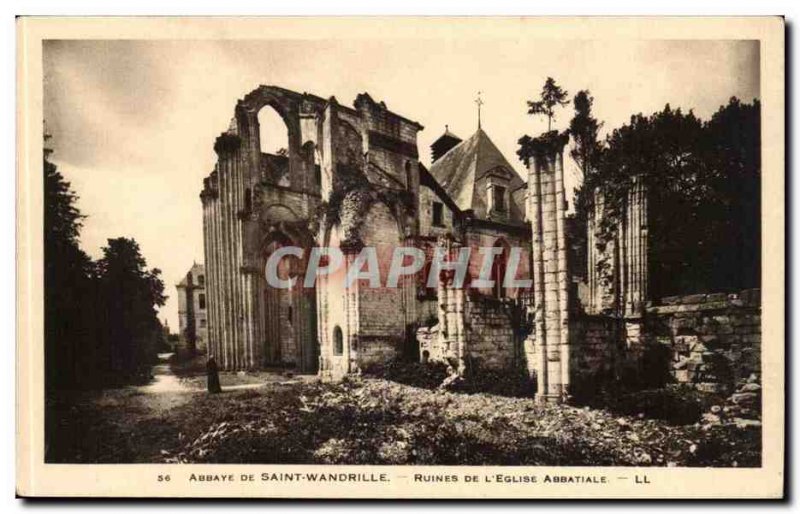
(703, 192)
(352, 197)
(129, 293)
(100, 321)
(68, 284)
(584, 129)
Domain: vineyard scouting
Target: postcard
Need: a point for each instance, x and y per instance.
(373, 257)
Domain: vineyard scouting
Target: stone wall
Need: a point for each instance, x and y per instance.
(713, 340)
(597, 351)
(472, 327)
(709, 341)
(491, 332)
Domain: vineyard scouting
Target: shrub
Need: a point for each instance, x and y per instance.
(482, 379)
(677, 405)
(427, 376)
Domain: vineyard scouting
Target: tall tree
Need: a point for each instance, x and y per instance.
(703, 183)
(586, 150)
(733, 143)
(130, 294)
(584, 128)
(68, 272)
(552, 96)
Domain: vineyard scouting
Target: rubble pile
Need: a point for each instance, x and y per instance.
(372, 421)
(742, 408)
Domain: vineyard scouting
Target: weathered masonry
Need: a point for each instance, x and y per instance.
(254, 203)
(350, 177)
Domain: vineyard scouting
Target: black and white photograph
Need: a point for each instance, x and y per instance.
(422, 251)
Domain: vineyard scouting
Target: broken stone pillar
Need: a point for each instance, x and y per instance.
(352, 298)
(452, 310)
(636, 249)
(635, 262)
(551, 301)
(620, 287)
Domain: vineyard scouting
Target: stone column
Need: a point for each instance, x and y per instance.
(562, 274)
(635, 269)
(591, 263)
(548, 212)
(351, 309)
(206, 197)
(216, 303)
(227, 147)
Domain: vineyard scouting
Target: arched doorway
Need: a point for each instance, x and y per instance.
(290, 315)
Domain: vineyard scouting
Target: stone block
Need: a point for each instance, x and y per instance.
(717, 297)
(708, 387)
(692, 299)
(745, 399)
(682, 375)
(683, 344)
(722, 319)
(680, 363)
(750, 387)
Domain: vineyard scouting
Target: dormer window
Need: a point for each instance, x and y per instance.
(438, 214)
(498, 198)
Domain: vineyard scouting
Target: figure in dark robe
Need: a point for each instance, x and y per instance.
(213, 376)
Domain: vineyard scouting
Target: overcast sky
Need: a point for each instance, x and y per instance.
(134, 122)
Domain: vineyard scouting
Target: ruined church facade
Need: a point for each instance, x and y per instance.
(351, 177)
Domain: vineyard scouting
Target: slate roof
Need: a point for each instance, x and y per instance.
(460, 169)
(443, 144)
(195, 270)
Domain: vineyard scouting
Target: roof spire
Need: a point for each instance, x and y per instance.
(479, 102)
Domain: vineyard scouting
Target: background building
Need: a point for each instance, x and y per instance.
(192, 309)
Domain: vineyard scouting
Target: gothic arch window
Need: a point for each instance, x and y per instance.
(273, 132)
(273, 135)
(338, 341)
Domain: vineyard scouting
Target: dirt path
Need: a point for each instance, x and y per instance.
(167, 390)
(137, 423)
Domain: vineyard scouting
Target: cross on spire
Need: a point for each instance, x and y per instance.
(479, 102)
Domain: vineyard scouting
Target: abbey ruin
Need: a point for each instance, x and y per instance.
(351, 177)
